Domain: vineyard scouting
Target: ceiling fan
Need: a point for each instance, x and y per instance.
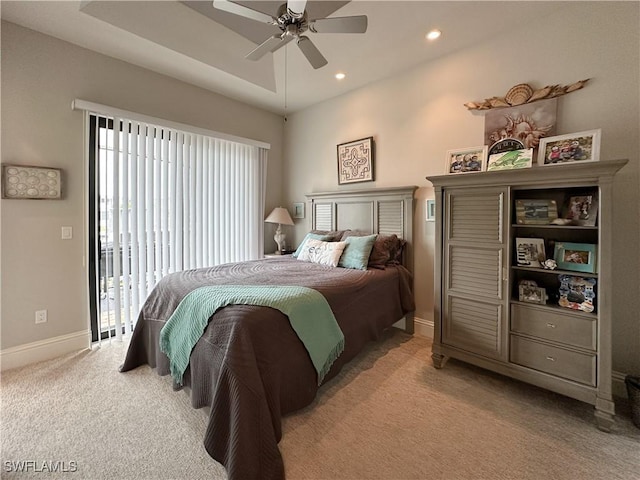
(292, 20)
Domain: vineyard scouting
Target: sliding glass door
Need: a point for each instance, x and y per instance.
(163, 200)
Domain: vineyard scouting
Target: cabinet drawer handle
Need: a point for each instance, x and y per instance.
(551, 359)
(551, 325)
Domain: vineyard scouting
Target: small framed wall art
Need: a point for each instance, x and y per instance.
(28, 182)
(431, 211)
(578, 257)
(298, 210)
(355, 161)
(574, 147)
(466, 160)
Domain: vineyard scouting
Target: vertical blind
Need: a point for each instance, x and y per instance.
(170, 200)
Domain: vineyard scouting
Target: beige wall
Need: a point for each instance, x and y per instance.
(416, 117)
(40, 77)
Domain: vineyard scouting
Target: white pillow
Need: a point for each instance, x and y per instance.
(323, 253)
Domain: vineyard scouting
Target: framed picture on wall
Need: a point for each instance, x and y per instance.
(27, 182)
(355, 161)
(298, 210)
(431, 211)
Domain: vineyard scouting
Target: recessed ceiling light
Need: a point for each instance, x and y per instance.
(340, 75)
(433, 34)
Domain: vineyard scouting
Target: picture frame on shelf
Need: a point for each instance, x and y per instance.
(577, 257)
(511, 160)
(466, 160)
(577, 293)
(582, 210)
(31, 183)
(536, 211)
(298, 210)
(532, 294)
(530, 252)
(573, 147)
(355, 161)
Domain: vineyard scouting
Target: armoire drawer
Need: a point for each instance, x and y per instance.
(556, 326)
(577, 366)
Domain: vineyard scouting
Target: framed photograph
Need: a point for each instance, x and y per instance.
(431, 211)
(298, 210)
(582, 210)
(574, 147)
(530, 252)
(578, 257)
(355, 161)
(577, 293)
(531, 294)
(27, 182)
(511, 160)
(466, 160)
(536, 212)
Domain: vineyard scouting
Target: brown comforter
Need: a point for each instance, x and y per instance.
(249, 367)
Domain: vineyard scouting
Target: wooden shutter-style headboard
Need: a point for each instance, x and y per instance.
(380, 210)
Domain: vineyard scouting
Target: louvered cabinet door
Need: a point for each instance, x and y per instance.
(474, 261)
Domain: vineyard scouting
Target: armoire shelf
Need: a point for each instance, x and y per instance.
(478, 315)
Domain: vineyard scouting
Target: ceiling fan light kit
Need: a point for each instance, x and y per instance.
(292, 20)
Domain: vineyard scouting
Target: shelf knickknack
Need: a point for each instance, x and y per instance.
(524, 93)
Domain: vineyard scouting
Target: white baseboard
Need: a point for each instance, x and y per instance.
(423, 327)
(44, 349)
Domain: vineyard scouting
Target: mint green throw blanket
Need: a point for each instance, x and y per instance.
(309, 314)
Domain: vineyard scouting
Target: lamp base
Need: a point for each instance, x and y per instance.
(279, 237)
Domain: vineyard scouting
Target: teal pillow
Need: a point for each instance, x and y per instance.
(356, 252)
(315, 236)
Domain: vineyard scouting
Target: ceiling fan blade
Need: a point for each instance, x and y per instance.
(296, 6)
(311, 52)
(269, 45)
(243, 11)
(355, 24)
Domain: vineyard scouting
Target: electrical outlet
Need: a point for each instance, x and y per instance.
(41, 316)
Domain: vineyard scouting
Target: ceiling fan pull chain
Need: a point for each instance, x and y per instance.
(286, 55)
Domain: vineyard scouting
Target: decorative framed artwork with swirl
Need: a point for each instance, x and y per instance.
(28, 182)
(355, 161)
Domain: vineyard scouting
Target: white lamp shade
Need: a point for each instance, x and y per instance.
(279, 215)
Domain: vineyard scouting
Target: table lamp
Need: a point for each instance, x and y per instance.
(280, 216)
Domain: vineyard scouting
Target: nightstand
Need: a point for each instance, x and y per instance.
(275, 255)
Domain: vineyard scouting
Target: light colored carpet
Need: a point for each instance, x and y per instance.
(388, 415)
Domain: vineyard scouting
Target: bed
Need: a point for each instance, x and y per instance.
(249, 368)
